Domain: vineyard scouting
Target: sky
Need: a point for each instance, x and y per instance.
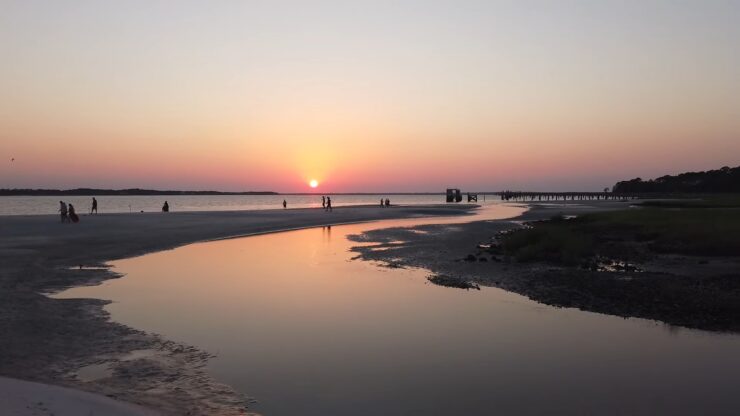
(376, 96)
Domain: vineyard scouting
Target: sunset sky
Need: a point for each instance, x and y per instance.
(365, 96)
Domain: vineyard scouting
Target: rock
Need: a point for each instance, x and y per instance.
(452, 282)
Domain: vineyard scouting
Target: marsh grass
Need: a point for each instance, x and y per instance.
(715, 201)
(616, 234)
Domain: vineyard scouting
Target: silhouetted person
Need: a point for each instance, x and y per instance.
(63, 211)
(323, 201)
(381, 203)
(387, 202)
(285, 204)
(328, 203)
(166, 207)
(94, 207)
(72, 214)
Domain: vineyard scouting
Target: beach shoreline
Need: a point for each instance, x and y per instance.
(676, 289)
(51, 338)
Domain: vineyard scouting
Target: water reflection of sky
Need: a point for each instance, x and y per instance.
(305, 330)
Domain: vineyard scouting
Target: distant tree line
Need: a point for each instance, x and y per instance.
(134, 191)
(721, 180)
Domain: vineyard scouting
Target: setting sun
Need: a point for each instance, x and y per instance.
(314, 183)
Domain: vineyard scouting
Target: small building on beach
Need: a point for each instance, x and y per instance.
(454, 195)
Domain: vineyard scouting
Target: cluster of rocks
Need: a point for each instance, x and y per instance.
(448, 281)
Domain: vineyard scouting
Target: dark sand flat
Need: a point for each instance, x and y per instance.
(47, 339)
(666, 289)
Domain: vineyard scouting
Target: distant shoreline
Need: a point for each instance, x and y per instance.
(152, 192)
(115, 192)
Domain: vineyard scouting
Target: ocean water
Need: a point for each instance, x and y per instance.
(303, 328)
(41, 205)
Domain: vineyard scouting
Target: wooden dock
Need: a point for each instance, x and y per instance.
(454, 195)
(564, 196)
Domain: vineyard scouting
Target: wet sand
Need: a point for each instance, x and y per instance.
(20, 397)
(456, 256)
(48, 340)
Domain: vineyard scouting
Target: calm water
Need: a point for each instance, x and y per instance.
(37, 205)
(306, 330)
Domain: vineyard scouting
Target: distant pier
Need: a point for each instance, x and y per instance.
(454, 195)
(564, 196)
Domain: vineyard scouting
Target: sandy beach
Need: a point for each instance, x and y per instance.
(52, 339)
(49, 339)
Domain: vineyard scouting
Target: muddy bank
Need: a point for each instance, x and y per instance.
(50, 340)
(691, 291)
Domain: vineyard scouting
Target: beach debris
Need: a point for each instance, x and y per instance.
(448, 281)
(605, 264)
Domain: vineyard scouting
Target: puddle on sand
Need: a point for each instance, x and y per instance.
(94, 372)
(103, 370)
(137, 355)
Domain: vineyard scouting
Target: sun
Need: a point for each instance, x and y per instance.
(313, 183)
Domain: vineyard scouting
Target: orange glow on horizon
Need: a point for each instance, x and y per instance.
(275, 105)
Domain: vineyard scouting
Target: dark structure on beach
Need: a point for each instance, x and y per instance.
(453, 195)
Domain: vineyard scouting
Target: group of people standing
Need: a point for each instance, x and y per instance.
(68, 214)
(326, 203)
(385, 202)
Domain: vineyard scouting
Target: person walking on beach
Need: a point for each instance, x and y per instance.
(328, 204)
(72, 214)
(381, 203)
(323, 201)
(387, 202)
(63, 211)
(94, 207)
(285, 204)
(166, 207)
